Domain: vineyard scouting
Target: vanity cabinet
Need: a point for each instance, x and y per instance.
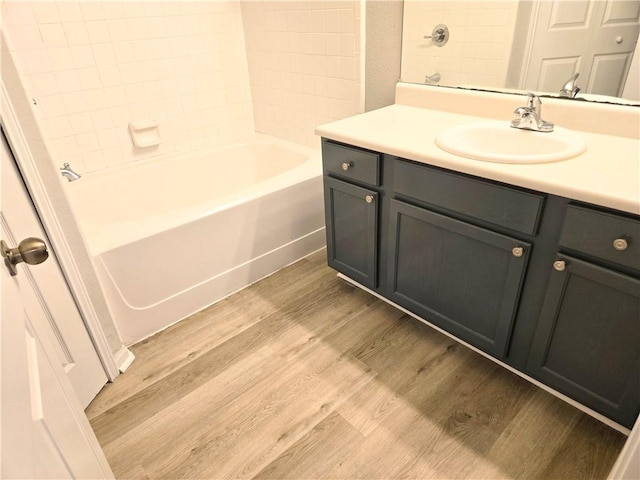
(547, 286)
(352, 211)
(587, 344)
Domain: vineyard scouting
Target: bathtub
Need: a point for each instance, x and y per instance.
(171, 236)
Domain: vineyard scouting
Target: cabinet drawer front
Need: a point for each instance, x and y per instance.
(351, 163)
(507, 207)
(586, 343)
(460, 277)
(593, 232)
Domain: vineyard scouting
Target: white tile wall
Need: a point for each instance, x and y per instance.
(94, 66)
(304, 64)
(477, 52)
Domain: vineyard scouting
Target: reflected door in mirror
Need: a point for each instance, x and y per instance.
(593, 38)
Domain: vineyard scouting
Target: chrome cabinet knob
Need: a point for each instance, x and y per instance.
(620, 244)
(31, 251)
(368, 198)
(559, 265)
(517, 251)
(347, 165)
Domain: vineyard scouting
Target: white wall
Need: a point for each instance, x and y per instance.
(94, 66)
(477, 52)
(304, 64)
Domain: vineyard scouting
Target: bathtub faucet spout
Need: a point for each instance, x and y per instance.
(68, 173)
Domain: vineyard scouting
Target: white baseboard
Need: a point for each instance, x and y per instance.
(124, 358)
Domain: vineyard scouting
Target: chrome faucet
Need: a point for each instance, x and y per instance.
(432, 79)
(529, 117)
(68, 173)
(570, 89)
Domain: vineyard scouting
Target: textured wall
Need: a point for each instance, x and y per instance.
(304, 64)
(383, 52)
(93, 67)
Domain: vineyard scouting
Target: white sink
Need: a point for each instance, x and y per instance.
(496, 141)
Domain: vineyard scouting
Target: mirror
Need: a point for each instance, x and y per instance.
(526, 45)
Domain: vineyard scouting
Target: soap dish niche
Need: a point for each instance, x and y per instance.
(145, 133)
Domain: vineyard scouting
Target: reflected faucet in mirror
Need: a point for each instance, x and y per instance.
(432, 79)
(68, 173)
(570, 89)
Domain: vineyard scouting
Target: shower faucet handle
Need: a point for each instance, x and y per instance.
(439, 36)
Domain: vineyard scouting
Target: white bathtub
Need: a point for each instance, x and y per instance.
(171, 236)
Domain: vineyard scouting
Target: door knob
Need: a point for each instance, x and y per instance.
(31, 251)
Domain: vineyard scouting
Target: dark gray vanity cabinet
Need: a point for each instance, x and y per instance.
(352, 211)
(549, 286)
(587, 344)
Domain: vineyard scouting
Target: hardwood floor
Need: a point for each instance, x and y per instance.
(303, 376)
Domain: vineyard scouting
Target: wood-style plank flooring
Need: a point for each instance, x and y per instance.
(302, 376)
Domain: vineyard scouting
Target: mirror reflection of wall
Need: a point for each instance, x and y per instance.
(478, 49)
(525, 45)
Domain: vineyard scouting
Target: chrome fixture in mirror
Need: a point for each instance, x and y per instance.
(68, 173)
(570, 89)
(432, 79)
(439, 36)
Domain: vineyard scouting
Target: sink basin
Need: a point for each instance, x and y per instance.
(496, 141)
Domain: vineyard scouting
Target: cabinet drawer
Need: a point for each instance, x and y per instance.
(507, 207)
(603, 235)
(351, 163)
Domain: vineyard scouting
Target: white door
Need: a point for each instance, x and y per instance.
(44, 432)
(73, 347)
(593, 38)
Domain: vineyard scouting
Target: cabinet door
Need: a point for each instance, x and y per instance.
(352, 230)
(587, 343)
(460, 277)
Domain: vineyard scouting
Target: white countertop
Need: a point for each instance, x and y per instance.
(606, 174)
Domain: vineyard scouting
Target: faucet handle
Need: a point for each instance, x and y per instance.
(534, 101)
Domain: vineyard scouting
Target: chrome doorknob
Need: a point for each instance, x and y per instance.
(31, 251)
